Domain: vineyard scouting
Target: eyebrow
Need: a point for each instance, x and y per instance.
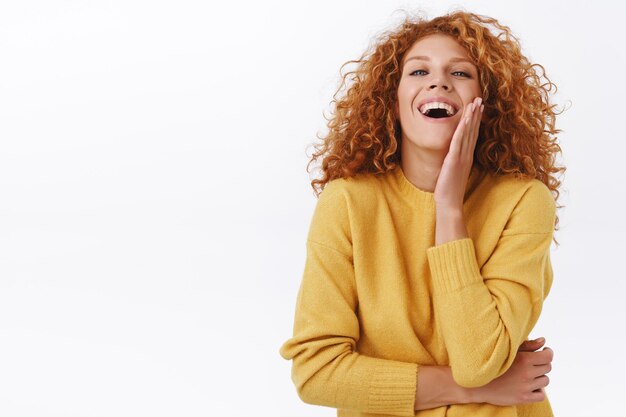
(425, 58)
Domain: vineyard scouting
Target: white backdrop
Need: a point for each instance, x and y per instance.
(154, 201)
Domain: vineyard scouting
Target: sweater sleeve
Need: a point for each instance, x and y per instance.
(327, 370)
(486, 313)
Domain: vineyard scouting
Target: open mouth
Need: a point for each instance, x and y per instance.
(437, 110)
(437, 113)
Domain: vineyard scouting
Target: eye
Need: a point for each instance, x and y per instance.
(464, 74)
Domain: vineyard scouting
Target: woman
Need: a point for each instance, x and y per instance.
(428, 254)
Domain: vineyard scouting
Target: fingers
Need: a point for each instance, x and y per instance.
(549, 354)
(535, 358)
(479, 114)
(467, 128)
(476, 119)
(535, 396)
(540, 382)
(466, 134)
(460, 135)
(472, 122)
(532, 345)
(541, 357)
(541, 364)
(537, 389)
(542, 369)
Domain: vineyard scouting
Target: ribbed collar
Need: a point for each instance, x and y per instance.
(411, 192)
(415, 195)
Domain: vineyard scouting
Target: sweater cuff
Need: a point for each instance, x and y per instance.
(453, 265)
(393, 388)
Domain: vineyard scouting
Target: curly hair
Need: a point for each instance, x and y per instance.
(516, 136)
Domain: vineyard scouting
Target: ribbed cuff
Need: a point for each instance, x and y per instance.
(453, 265)
(393, 388)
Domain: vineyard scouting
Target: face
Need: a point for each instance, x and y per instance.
(435, 67)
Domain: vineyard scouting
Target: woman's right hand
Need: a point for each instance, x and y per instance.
(524, 381)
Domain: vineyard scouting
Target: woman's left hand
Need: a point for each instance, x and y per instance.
(523, 382)
(452, 180)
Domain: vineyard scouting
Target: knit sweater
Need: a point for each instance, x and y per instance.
(378, 298)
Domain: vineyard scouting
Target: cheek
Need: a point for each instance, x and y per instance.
(470, 94)
(406, 95)
(477, 90)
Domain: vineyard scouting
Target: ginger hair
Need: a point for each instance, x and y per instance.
(517, 135)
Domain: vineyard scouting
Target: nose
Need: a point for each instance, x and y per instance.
(439, 80)
(440, 84)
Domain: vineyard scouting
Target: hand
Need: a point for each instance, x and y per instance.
(452, 180)
(524, 381)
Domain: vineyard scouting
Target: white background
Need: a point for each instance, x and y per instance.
(154, 201)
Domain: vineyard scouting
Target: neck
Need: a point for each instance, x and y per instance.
(422, 167)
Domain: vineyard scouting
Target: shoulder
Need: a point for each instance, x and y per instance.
(341, 205)
(526, 191)
(350, 191)
(532, 206)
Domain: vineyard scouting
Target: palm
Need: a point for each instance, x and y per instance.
(456, 167)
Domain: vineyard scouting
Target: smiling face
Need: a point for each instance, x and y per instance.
(435, 67)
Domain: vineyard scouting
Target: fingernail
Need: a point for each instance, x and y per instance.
(482, 107)
(480, 100)
(540, 340)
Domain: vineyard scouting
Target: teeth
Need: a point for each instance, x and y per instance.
(437, 105)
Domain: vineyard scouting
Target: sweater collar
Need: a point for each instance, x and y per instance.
(410, 191)
(419, 196)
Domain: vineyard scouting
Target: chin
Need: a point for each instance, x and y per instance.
(431, 137)
(434, 141)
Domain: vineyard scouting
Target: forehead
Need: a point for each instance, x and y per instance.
(438, 46)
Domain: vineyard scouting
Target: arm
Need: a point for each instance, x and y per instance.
(485, 313)
(522, 383)
(436, 388)
(504, 297)
(326, 369)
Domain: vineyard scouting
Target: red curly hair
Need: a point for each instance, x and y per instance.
(516, 136)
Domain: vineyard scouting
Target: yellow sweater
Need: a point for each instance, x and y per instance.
(378, 298)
